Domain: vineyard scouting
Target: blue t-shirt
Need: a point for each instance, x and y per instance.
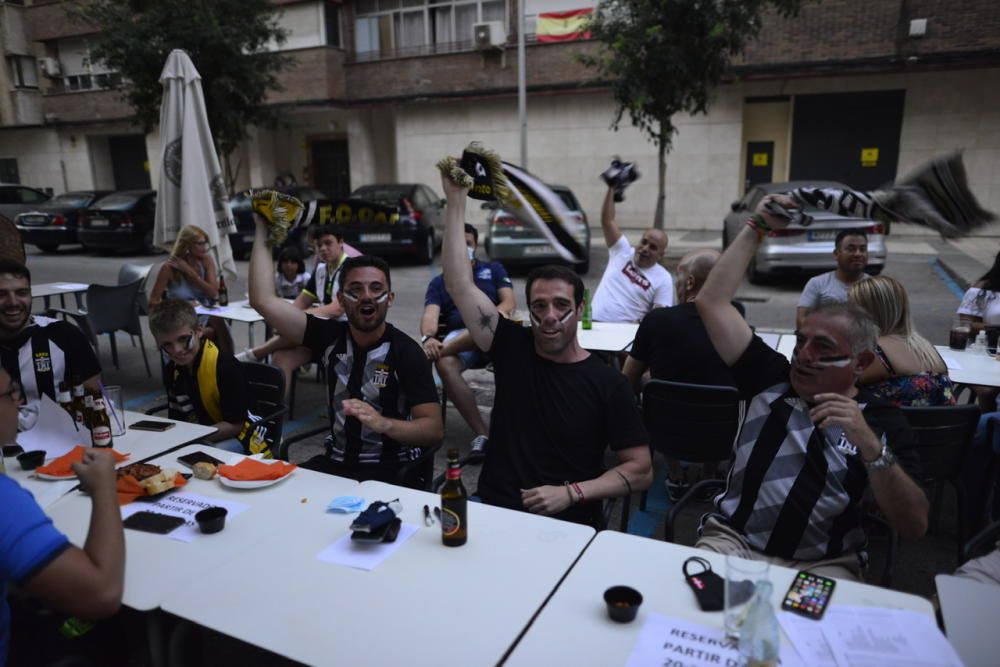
(28, 542)
(488, 276)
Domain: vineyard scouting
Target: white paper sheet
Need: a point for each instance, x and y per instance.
(664, 640)
(185, 505)
(205, 310)
(363, 555)
(807, 637)
(76, 287)
(876, 637)
(951, 363)
(54, 431)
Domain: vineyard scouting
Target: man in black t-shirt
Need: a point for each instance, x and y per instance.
(673, 345)
(557, 407)
(383, 405)
(39, 352)
(812, 443)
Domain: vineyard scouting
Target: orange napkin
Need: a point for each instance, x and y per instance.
(252, 470)
(129, 489)
(60, 467)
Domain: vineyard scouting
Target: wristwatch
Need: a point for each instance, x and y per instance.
(885, 460)
(424, 339)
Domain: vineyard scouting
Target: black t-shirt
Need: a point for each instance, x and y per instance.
(392, 376)
(675, 346)
(45, 353)
(186, 398)
(552, 422)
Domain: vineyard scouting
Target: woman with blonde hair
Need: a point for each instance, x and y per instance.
(190, 274)
(908, 371)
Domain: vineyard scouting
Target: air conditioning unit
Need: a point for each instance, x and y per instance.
(489, 35)
(50, 67)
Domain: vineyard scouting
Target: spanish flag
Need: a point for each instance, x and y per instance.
(563, 26)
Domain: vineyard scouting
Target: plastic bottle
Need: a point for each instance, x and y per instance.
(760, 641)
(980, 346)
(587, 322)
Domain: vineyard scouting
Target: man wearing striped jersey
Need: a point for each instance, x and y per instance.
(39, 352)
(812, 442)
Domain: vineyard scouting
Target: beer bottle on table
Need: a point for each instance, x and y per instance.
(78, 409)
(100, 422)
(223, 291)
(64, 398)
(587, 323)
(454, 501)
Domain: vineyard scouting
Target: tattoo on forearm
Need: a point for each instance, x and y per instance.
(486, 320)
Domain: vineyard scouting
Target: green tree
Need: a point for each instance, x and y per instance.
(228, 41)
(663, 57)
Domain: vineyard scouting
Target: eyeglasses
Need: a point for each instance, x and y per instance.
(15, 392)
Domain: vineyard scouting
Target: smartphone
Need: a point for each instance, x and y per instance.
(151, 522)
(809, 595)
(150, 425)
(198, 457)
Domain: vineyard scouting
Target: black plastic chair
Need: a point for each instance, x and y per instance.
(697, 423)
(129, 273)
(109, 310)
(984, 542)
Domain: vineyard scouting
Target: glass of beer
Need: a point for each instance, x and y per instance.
(959, 336)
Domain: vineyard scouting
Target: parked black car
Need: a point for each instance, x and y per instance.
(54, 223)
(120, 221)
(417, 232)
(242, 239)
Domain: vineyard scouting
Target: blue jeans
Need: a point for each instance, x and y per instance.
(471, 358)
(229, 445)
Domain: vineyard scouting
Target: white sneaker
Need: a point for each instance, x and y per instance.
(477, 450)
(246, 355)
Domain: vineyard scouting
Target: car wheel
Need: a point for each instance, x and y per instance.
(874, 270)
(427, 256)
(582, 268)
(147, 244)
(48, 247)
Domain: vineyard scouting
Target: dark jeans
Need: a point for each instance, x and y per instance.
(362, 473)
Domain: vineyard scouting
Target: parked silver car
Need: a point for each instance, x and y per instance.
(511, 242)
(16, 199)
(796, 248)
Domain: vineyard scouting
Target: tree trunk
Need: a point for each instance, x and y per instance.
(661, 185)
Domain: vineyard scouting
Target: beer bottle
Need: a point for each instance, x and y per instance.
(223, 292)
(100, 422)
(454, 501)
(78, 409)
(587, 323)
(64, 398)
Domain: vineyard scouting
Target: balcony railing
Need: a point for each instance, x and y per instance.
(417, 51)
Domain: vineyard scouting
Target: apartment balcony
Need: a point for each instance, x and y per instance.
(54, 20)
(85, 106)
(317, 74)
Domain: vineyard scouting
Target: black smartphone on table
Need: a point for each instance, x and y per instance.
(809, 595)
(198, 457)
(152, 522)
(150, 425)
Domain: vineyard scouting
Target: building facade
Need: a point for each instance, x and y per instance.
(850, 90)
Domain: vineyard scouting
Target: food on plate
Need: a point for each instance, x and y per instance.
(139, 471)
(204, 470)
(153, 479)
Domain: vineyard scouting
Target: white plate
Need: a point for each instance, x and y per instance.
(54, 478)
(250, 484)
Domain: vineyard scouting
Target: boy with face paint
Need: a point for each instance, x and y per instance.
(204, 385)
(557, 407)
(812, 442)
(382, 402)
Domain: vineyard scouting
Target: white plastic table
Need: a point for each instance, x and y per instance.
(158, 567)
(607, 336)
(426, 603)
(966, 367)
(970, 610)
(574, 628)
(46, 291)
(138, 444)
(237, 311)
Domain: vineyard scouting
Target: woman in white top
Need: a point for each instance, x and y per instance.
(291, 275)
(981, 303)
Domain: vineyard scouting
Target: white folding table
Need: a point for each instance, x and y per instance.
(574, 628)
(970, 610)
(45, 292)
(965, 367)
(607, 336)
(423, 604)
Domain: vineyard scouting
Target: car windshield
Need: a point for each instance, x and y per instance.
(388, 196)
(119, 200)
(71, 199)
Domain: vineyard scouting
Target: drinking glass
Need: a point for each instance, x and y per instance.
(740, 587)
(116, 409)
(958, 339)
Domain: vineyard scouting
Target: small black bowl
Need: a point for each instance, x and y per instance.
(31, 460)
(211, 519)
(623, 603)
(10, 451)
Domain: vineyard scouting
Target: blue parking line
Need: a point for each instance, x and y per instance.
(141, 401)
(948, 281)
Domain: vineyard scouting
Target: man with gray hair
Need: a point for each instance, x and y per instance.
(812, 442)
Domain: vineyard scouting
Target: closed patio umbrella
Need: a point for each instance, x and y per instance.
(191, 189)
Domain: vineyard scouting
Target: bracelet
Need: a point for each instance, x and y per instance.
(757, 223)
(568, 492)
(579, 493)
(624, 479)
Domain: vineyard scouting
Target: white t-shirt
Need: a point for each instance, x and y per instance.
(825, 288)
(626, 292)
(289, 289)
(987, 307)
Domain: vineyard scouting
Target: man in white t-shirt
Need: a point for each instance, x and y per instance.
(851, 252)
(634, 282)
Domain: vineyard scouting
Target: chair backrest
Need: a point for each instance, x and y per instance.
(131, 272)
(941, 436)
(267, 394)
(691, 422)
(114, 308)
